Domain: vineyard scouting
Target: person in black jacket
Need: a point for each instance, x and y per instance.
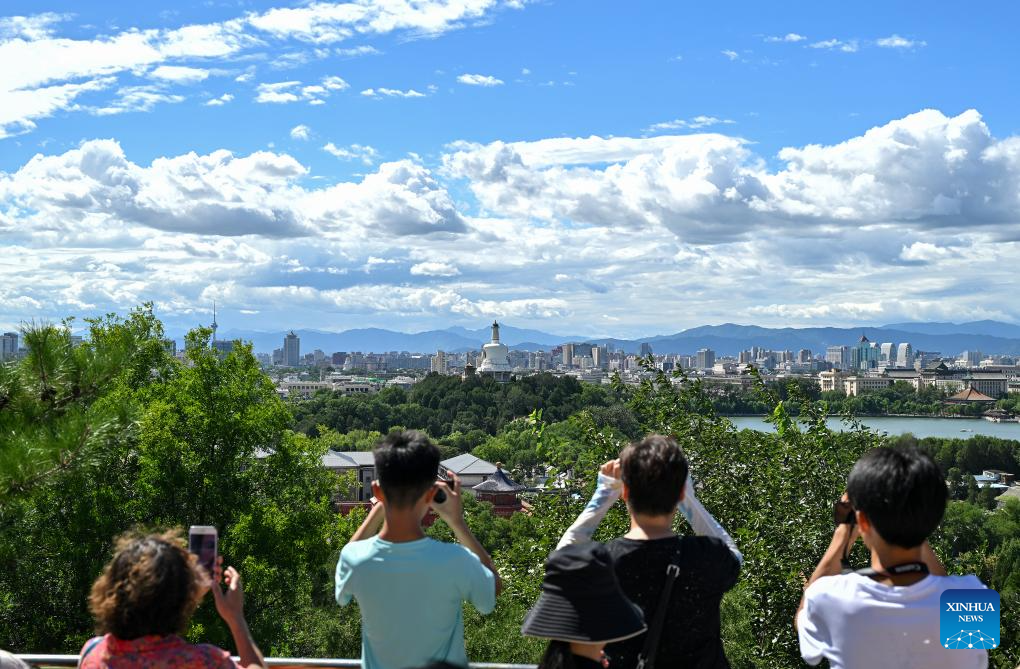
(651, 476)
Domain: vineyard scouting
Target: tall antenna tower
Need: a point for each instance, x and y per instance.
(214, 325)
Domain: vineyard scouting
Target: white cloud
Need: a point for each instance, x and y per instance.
(335, 83)
(53, 71)
(353, 52)
(220, 101)
(926, 169)
(95, 187)
(180, 74)
(36, 27)
(434, 269)
(365, 154)
(19, 109)
(137, 99)
(816, 237)
(391, 93)
(397, 301)
(301, 132)
(479, 80)
(788, 37)
(848, 46)
(283, 92)
(925, 252)
(897, 42)
(696, 123)
(729, 53)
(875, 311)
(280, 92)
(525, 71)
(326, 22)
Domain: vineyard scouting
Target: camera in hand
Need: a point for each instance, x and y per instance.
(440, 496)
(843, 513)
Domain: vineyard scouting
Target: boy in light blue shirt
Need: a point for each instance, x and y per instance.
(410, 588)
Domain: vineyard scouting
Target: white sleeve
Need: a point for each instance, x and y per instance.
(607, 491)
(812, 632)
(703, 523)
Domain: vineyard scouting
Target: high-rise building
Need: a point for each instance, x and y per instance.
(568, 355)
(278, 358)
(865, 355)
(439, 365)
(838, 356)
(971, 358)
(170, 346)
(706, 359)
(904, 355)
(600, 355)
(9, 346)
(804, 356)
(223, 347)
(292, 350)
(646, 349)
(887, 354)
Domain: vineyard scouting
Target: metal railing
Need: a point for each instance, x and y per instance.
(275, 662)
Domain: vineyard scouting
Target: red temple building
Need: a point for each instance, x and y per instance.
(500, 491)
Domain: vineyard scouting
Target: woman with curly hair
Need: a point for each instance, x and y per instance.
(144, 600)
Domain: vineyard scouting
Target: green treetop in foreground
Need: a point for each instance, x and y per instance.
(114, 434)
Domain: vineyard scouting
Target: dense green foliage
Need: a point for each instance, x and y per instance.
(113, 434)
(443, 405)
(178, 449)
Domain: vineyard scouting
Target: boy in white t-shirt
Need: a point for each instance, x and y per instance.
(888, 615)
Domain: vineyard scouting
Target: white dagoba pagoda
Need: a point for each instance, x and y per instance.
(495, 360)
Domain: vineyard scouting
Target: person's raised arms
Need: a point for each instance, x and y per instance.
(608, 489)
(451, 510)
(230, 606)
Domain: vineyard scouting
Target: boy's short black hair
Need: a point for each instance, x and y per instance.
(406, 465)
(655, 470)
(902, 491)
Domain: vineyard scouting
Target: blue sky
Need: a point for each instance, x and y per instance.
(607, 168)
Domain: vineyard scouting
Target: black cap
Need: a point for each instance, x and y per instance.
(582, 600)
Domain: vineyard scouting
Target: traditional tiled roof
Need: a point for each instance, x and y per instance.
(469, 464)
(970, 395)
(498, 482)
(1012, 493)
(348, 459)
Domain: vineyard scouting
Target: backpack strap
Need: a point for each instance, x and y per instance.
(646, 660)
(89, 647)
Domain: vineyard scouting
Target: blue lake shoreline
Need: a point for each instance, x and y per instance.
(950, 428)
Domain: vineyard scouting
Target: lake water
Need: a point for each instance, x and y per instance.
(958, 428)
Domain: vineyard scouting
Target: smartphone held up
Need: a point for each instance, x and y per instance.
(202, 540)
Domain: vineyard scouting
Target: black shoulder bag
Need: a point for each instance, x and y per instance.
(646, 660)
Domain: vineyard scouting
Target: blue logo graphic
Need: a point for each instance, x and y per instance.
(969, 619)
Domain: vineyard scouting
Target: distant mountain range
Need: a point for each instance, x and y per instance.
(727, 339)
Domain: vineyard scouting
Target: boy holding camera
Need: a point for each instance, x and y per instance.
(888, 614)
(652, 477)
(410, 588)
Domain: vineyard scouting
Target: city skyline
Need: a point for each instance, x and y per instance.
(342, 165)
